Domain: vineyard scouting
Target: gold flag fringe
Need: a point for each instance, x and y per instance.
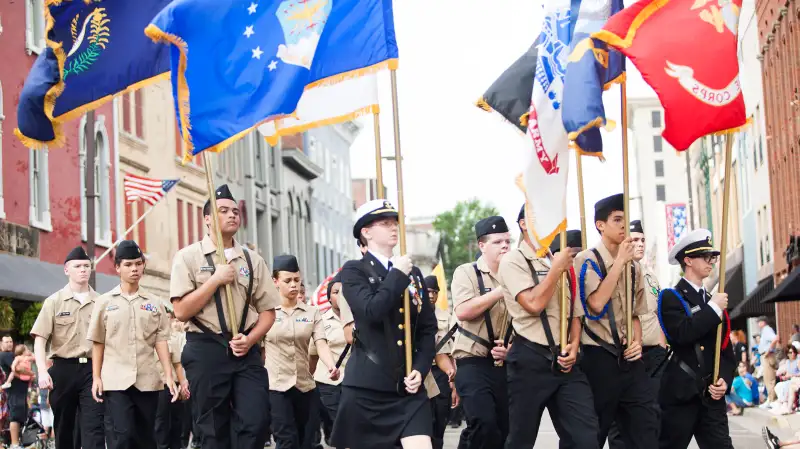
(280, 132)
(530, 218)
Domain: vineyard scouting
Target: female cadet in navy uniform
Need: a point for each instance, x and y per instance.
(690, 404)
(291, 387)
(380, 404)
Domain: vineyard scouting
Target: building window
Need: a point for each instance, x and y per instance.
(2, 119)
(39, 190)
(655, 119)
(181, 234)
(102, 169)
(133, 211)
(659, 168)
(133, 113)
(259, 150)
(34, 26)
(180, 148)
(661, 192)
(657, 144)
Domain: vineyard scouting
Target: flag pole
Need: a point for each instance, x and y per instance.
(626, 203)
(724, 242)
(581, 197)
(215, 228)
(122, 237)
(564, 297)
(376, 126)
(398, 162)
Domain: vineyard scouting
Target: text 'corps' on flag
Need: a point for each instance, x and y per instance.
(686, 51)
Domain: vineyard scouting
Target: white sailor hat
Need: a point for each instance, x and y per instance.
(694, 244)
(372, 211)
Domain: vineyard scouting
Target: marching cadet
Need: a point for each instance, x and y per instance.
(224, 366)
(127, 325)
(693, 405)
(620, 385)
(654, 344)
(380, 404)
(170, 415)
(292, 394)
(443, 369)
(540, 374)
(331, 390)
(479, 348)
(62, 324)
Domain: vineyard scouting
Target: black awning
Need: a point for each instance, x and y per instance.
(753, 305)
(33, 280)
(788, 290)
(734, 286)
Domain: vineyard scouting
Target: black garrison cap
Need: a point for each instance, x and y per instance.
(604, 207)
(636, 226)
(432, 283)
(77, 253)
(573, 241)
(128, 250)
(490, 225)
(521, 213)
(286, 262)
(222, 193)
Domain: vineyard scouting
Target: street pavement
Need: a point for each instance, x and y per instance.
(745, 432)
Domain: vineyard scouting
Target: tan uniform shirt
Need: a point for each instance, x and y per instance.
(515, 274)
(190, 270)
(651, 329)
(601, 327)
(444, 322)
(63, 321)
(129, 327)
(334, 333)
(464, 288)
(177, 340)
(345, 314)
(287, 347)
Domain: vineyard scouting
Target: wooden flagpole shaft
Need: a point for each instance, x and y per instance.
(122, 237)
(215, 228)
(626, 203)
(724, 242)
(581, 197)
(564, 298)
(398, 162)
(376, 126)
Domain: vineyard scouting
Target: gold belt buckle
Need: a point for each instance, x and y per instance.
(83, 360)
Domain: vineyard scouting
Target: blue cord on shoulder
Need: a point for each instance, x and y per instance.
(661, 299)
(582, 286)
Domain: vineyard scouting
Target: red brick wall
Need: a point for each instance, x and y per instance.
(781, 74)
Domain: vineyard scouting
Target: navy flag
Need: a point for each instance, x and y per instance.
(510, 94)
(95, 50)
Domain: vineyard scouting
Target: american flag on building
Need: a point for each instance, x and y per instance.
(320, 296)
(147, 189)
(676, 223)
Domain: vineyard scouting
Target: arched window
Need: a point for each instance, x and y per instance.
(102, 190)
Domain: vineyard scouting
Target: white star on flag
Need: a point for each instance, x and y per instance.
(252, 8)
(248, 31)
(257, 52)
(273, 65)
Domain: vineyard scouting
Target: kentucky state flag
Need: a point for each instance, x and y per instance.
(544, 180)
(591, 69)
(240, 63)
(95, 50)
(686, 51)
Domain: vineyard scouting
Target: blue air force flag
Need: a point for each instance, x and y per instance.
(95, 50)
(254, 64)
(592, 68)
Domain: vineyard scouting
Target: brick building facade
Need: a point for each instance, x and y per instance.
(779, 39)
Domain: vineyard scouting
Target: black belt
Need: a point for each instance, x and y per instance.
(540, 349)
(600, 342)
(72, 361)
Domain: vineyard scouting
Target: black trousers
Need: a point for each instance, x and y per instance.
(230, 395)
(292, 412)
(169, 421)
(532, 386)
(621, 395)
(653, 356)
(329, 398)
(131, 418)
(77, 418)
(440, 407)
(708, 423)
(484, 396)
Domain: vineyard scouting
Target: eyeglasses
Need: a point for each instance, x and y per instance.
(711, 258)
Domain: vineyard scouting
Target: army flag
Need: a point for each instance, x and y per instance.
(544, 180)
(254, 65)
(698, 84)
(95, 50)
(510, 94)
(591, 69)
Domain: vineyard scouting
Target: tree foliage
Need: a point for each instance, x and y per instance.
(457, 230)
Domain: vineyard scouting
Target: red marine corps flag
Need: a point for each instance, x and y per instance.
(686, 51)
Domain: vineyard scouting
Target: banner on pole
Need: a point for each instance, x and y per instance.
(676, 223)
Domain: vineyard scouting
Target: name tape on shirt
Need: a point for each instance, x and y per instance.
(112, 307)
(64, 314)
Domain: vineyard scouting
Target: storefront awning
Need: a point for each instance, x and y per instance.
(33, 280)
(788, 290)
(753, 305)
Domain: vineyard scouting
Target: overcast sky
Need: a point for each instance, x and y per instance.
(450, 52)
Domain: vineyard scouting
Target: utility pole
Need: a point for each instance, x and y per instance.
(90, 195)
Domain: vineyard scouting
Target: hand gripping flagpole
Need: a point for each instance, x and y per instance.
(215, 228)
(398, 162)
(376, 126)
(626, 203)
(724, 242)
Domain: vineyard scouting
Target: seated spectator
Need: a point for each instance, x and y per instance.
(742, 392)
(788, 375)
